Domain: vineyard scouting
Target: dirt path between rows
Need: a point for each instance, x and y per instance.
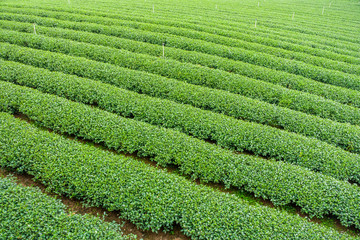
(76, 206)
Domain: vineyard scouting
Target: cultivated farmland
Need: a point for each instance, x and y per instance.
(149, 119)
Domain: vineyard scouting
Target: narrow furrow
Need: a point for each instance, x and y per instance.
(207, 119)
(129, 22)
(231, 54)
(198, 21)
(346, 135)
(268, 21)
(215, 100)
(265, 60)
(265, 92)
(78, 207)
(27, 213)
(164, 146)
(126, 181)
(181, 71)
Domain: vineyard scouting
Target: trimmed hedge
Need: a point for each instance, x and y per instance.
(27, 213)
(301, 58)
(267, 92)
(261, 140)
(311, 41)
(224, 28)
(165, 113)
(342, 135)
(342, 95)
(280, 182)
(199, 42)
(148, 197)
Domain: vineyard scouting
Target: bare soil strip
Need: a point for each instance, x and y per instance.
(76, 206)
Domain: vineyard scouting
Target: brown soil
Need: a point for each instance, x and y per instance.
(76, 206)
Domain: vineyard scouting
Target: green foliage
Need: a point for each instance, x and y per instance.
(280, 182)
(223, 28)
(238, 24)
(341, 135)
(26, 213)
(235, 83)
(149, 197)
(238, 50)
(196, 74)
(300, 75)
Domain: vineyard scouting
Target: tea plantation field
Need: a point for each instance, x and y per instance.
(216, 119)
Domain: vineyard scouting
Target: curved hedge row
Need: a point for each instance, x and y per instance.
(27, 213)
(267, 92)
(165, 113)
(184, 38)
(282, 183)
(344, 28)
(189, 73)
(215, 100)
(234, 20)
(281, 26)
(264, 91)
(224, 29)
(215, 38)
(272, 24)
(271, 52)
(148, 197)
(312, 41)
(339, 94)
(345, 40)
(342, 135)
